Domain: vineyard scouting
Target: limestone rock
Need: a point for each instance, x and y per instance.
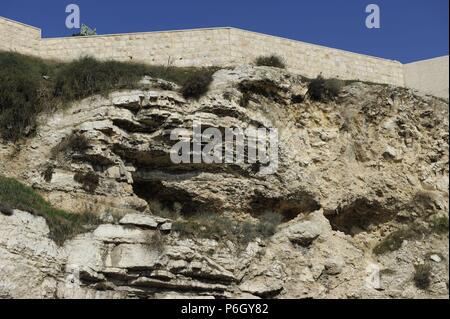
(30, 262)
(334, 265)
(121, 234)
(143, 220)
(350, 172)
(436, 258)
(262, 286)
(107, 218)
(132, 256)
(304, 233)
(306, 230)
(166, 227)
(391, 153)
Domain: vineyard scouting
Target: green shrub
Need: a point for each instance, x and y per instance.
(74, 143)
(156, 242)
(6, 210)
(196, 86)
(30, 86)
(334, 87)
(323, 90)
(266, 88)
(21, 80)
(394, 240)
(47, 173)
(268, 224)
(89, 180)
(88, 76)
(422, 276)
(218, 227)
(62, 225)
(204, 225)
(439, 224)
(271, 60)
(85, 31)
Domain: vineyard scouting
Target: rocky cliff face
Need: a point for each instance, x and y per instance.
(354, 172)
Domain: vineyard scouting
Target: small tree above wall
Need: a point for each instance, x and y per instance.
(85, 31)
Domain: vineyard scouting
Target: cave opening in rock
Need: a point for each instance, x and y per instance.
(289, 208)
(359, 216)
(166, 200)
(154, 191)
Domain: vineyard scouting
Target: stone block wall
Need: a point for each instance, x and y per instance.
(18, 37)
(429, 76)
(202, 47)
(311, 60)
(227, 47)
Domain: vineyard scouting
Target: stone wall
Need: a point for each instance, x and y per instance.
(224, 46)
(227, 47)
(429, 76)
(202, 47)
(18, 37)
(311, 60)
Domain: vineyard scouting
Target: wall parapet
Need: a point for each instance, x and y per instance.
(429, 76)
(311, 60)
(226, 46)
(19, 37)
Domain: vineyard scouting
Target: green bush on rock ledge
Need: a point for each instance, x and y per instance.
(63, 225)
(220, 227)
(271, 60)
(31, 86)
(196, 86)
(422, 276)
(323, 90)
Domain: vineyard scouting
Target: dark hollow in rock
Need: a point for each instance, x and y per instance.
(289, 207)
(358, 216)
(155, 190)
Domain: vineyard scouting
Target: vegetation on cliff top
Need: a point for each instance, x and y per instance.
(271, 60)
(30, 86)
(63, 225)
(394, 241)
(215, 226)
(323, 90)
(422, 276)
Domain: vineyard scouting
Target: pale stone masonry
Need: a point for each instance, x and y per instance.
(430, 76)
(22, 38)
(223, 47)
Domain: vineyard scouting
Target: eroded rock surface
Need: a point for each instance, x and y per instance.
(123, 261)
(350, 172)
(30, 263)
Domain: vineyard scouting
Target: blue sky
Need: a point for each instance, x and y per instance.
(410, 29)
